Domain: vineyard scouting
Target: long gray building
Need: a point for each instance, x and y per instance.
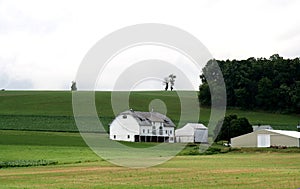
(267, 138)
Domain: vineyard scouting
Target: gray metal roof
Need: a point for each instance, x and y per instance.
(196, 126)
(145, 118)
(261, 127)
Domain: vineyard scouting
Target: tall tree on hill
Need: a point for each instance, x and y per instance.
(172, 80)
(73, 86)
(166, 83)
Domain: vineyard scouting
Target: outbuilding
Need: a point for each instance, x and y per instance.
(267, 138)
(192, 133)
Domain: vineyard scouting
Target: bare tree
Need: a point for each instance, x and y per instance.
(73, 86)
(172, 80)
(166, 83)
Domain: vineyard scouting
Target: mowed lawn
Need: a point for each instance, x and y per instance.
(234, 170)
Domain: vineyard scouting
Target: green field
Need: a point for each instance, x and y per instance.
(215, 171)
(28, 119)
(79, 167)
(52, 110)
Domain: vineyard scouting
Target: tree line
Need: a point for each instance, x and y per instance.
(258, 83)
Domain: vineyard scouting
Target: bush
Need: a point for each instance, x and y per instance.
(26, 163)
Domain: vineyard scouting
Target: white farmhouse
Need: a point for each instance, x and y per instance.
(136, 126)
(192, 133)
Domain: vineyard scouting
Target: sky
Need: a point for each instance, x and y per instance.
(42, 43)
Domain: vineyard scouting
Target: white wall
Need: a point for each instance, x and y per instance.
(171, 133)
(167, 131)
(188, 134)
(121, 128)
(184, 134)
(201, 135)
(147, 129)
(185, 139)
(271, 138)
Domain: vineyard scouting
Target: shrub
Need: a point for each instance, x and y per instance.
(26, 163)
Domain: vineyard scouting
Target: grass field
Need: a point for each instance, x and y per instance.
(78, 166)
(28, 119)
(52, 110)
(215, 171)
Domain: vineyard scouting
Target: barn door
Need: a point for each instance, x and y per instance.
(263, 140)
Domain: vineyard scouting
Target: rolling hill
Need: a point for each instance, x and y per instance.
(52, 110)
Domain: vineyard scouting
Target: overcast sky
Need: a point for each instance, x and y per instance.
(42, 43)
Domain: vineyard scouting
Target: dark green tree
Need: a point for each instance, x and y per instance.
(204, 95)
(255, 83)
(265, 96)
(73, 86)
(232, 126)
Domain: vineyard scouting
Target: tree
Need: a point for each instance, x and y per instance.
(213, 85)
(166, 83)
(254, 83)
(265, 93)
(172, 80)
(204, 95)
(232, 127)
(295, 98)
(73, 86)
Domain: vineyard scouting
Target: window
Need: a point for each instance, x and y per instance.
(170, 131)
(153, 130)
(166, 132)
(160, 130)
(148, 131)
(166, 121)
(128, 136)
(114, 136)
(143, 130)
(141, 119)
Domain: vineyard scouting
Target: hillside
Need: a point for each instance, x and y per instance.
(52, 110)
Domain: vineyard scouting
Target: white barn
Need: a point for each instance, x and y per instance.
(192, 133)
(136, 126)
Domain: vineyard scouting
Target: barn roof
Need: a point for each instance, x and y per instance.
(293, 134)
(145, 118)
(261, 127)
(189, 129)
(196, 125)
